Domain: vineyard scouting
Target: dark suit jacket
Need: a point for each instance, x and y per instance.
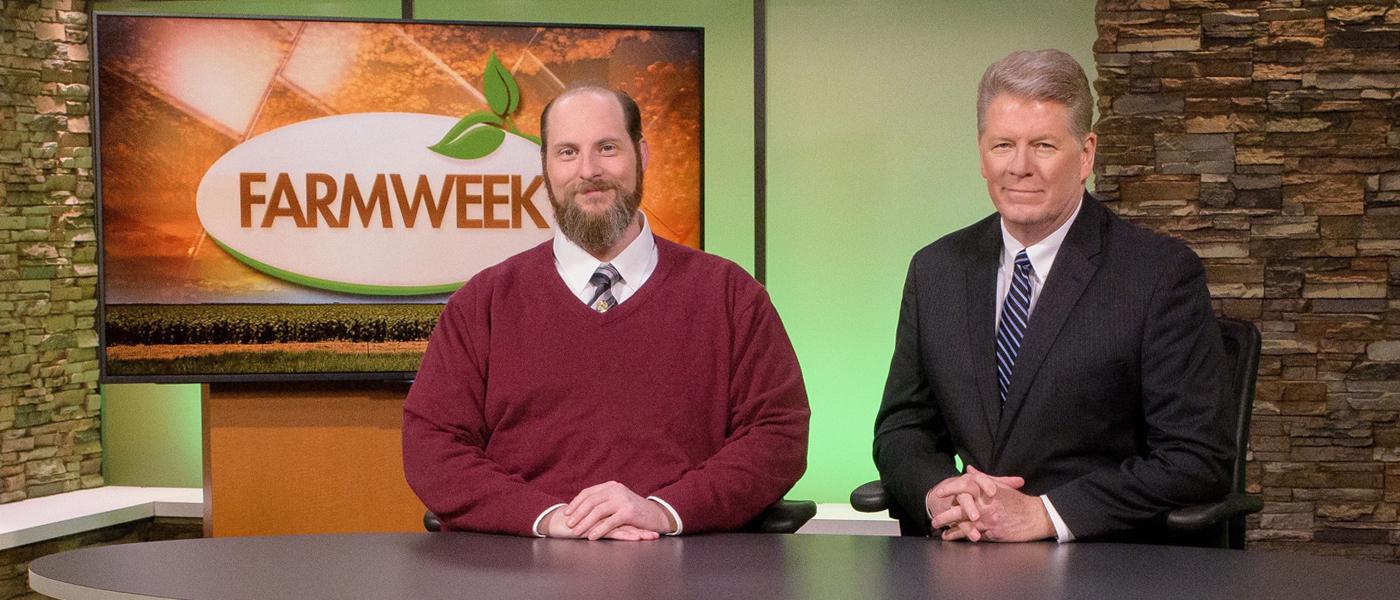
(1117, 406)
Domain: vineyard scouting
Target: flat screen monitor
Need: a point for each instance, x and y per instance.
(297, 198)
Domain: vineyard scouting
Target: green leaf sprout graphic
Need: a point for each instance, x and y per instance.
(477, 141)
(482, 132)
(468, 138)
(501, 92)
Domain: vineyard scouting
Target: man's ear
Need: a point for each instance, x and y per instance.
(1086, 167)
(644, 150)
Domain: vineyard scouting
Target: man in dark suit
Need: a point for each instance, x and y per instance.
(1069, 358)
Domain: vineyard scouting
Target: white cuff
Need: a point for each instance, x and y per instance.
(674, 514)
(1062, 532)
(536, 527)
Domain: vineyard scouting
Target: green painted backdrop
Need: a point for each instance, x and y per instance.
(871, 155)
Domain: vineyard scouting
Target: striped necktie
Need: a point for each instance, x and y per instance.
(603, 279)
(1015, 315)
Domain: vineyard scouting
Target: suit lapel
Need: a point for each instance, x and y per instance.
(1074, 266)
(981, 286)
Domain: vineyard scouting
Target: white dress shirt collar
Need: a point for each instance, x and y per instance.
(1042, 253)
(635, 264)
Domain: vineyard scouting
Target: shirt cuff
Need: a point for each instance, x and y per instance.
(536, 527)
(1062, 532)
(674, 515)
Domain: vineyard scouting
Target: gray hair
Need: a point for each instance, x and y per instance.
(1044, 75)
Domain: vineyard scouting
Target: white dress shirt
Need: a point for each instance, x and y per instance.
(1042, 256)
(635, 264)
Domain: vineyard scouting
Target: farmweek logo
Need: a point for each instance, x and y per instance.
(362, 203)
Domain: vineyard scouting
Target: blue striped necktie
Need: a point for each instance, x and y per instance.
(603, 280)
(1015, 315)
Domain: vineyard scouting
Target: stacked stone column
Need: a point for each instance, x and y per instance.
(50, 439)
(1267, 135)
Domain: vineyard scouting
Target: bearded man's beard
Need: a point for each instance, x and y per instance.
(596, 233)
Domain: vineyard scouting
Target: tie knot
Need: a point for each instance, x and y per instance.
(603, 280)
(1023, 261)
(605, 276)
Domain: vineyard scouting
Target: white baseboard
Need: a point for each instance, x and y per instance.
(842, 519)
(39, 519)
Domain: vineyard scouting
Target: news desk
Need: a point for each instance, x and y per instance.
(460, 565)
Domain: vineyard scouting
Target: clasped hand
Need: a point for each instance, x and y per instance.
(981, 507)
(609, 510)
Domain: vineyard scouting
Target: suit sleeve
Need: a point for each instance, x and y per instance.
(765, 450)
(444, 432)
(913, 450)
(1184, 409)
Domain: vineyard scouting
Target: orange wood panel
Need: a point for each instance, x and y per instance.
(289, 458)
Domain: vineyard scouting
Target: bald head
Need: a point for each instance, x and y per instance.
(631, 115)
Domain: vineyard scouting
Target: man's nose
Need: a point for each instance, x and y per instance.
(589, 166)
(1020, 164)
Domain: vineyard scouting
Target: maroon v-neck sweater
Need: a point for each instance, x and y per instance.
(689, 391)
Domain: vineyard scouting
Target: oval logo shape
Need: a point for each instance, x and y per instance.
(359, 203)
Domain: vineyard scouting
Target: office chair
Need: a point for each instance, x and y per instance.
(783, 516)
(1216, 524)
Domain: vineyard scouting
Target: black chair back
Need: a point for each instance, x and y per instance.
(1242, 343)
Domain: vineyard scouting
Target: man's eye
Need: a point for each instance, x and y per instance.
(566, 152)
(609, 148)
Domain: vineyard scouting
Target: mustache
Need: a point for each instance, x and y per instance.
(595, 185)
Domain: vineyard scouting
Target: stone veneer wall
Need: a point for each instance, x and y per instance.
(50, 439)
(1267, 135)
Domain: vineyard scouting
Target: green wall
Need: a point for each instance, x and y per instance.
(151, 435)
(871, 155)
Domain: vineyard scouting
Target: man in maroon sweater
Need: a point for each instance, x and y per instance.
(607, 384)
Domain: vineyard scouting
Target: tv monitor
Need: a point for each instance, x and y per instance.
(297, 198)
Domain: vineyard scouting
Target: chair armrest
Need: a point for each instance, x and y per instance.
(431, 522)
(870, 497)
(783, 516)
(1200, 516)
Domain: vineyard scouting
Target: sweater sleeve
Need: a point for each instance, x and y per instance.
(765, 450)
(444, 431)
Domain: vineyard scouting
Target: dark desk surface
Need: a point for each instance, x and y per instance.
(459, 565)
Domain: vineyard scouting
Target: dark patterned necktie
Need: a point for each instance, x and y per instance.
(1015, 314)
(603, 280)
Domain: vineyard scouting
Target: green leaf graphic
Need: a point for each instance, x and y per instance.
(501, 92)
(480, 133)
(478, 141)
(514, 92)
(457, 130)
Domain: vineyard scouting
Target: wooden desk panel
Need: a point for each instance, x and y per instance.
(287, 458)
